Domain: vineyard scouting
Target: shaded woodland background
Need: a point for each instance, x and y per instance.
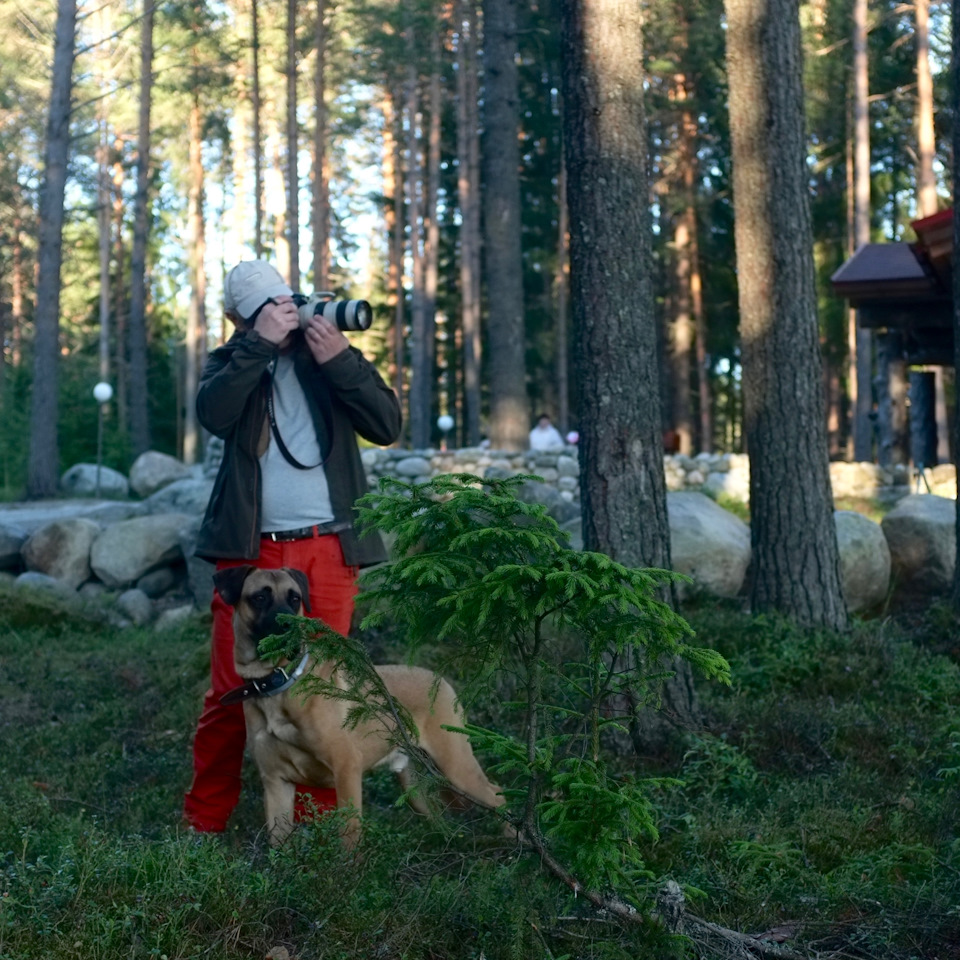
(187, 123)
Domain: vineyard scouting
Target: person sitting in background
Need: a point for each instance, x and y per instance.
(545, 436)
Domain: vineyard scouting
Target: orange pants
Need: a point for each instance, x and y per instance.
(221, 731)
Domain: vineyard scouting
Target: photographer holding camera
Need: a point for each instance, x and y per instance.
(288, 394)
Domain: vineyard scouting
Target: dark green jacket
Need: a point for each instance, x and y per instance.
(346, 395)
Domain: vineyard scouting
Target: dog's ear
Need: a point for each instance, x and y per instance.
(229, 582)
(300, 578)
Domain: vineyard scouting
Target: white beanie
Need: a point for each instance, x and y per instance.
(249, 285)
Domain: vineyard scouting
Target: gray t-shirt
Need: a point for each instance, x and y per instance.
(292, 498)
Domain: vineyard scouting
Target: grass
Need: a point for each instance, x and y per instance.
(821, 800)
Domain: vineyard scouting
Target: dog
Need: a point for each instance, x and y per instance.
(296, 739)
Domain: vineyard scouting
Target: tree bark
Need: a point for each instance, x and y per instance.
(506, 340)
(796, 567)
(321, 173)
(955, 111)
(926, 143)
(293, 177)
(468, 191)
(43, 465)
(621, 460)
(257, 134)
(139, 407)
(862, 359)
(394, 191)
(196, 315)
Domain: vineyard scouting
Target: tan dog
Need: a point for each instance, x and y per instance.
(296, 739)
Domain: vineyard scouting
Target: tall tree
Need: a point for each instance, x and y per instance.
(139, 406)
(861, 339)
(796, 567)
(955, 110)
(257, 132)
(293, 177)
(43, 468)
(622, 486)
(502, 250)
(320, 214)
(468, 192)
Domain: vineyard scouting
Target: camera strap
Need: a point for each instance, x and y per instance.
(275, 429)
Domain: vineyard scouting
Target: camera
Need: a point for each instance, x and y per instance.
(348, 315)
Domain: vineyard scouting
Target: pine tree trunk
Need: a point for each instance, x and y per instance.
(43, 465)
(293, 177)
(257, 133)
(394, 191)
(506, 340)
(139, 407)
(321, 174)
(796, 567)
(431, 246)
(196, 320)
(926, 142)
(862, 359)
(955, 111)
(468, 191)
(562, 320)
(623, 491)
(120, 307)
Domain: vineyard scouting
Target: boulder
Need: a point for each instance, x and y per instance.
(189, 496)
(730, 477)
(32, 580)
(158, 582)
(707, 543)
(943, 480)
(81, 479)
(864, 560)
(12, 539)
(535, 492)
(921, 534)
(855, 479)
(152, 471)
(199, 572)
(125, 551)
(174, 617)
(412, 467)
(136, 605)
(62, 549)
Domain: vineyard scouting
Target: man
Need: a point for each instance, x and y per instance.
(545, 436)
(288, 404)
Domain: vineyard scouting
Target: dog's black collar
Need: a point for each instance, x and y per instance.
(269, 686)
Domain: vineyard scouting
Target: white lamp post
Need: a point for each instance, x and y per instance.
(445, 425)
(102, 393)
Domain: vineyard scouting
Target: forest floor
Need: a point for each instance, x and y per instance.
(818, 806)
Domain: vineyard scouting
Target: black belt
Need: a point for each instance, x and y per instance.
(306, 533)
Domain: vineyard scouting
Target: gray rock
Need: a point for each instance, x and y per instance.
(61, 549)
(199, 572)
(158, 582)
(412, 467)
(81, 478)
(708, 543)
(136, 605)
(921, 534)
(568, 466)
(125, 551)
(855, 479)
(12, 539)
(864, 560)
(152, 471)
(31, 580)
(189, 495)
(534, 492)
(174, 617)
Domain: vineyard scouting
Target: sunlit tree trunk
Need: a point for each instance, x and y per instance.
(796, 566)
(506, 340)
(138, 406)
(861, 372)
(257, 133)
(43, 465)
(119, 287)
(394, 192)
(321, 173)
(196, 315)
(293, 177)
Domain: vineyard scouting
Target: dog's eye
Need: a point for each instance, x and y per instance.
(293, 599)
(259, 599)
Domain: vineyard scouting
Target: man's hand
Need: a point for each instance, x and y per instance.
(276, 321)
(324, 339)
